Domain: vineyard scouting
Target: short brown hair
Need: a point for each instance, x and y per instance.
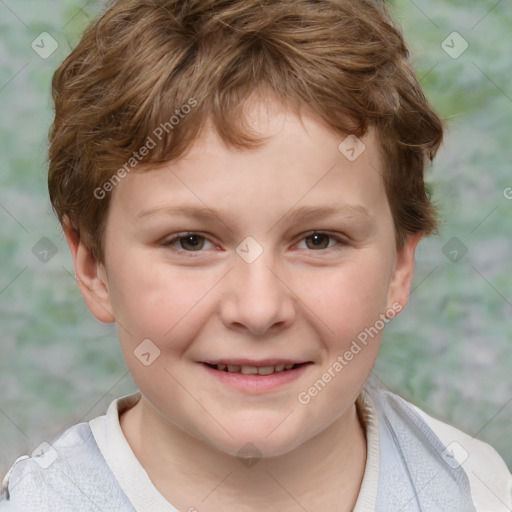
(142, 61)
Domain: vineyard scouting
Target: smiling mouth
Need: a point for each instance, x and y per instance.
(255, 370)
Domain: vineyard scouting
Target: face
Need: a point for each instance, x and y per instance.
(286, 252)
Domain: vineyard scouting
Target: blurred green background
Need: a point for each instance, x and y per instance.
(449, 352)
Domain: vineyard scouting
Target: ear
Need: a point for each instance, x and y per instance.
(90, 275)
(403, 274)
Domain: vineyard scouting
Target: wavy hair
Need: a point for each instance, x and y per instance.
(141, 61)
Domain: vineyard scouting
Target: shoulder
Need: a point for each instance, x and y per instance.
(67, 474)
(428, 446)
(489, 477)
(38, 479)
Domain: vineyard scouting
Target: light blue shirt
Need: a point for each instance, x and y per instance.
(415, 473)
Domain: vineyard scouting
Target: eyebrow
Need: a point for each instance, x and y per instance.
(303, 213)
(318, 212)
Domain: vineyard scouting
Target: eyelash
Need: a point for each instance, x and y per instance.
(167, 243)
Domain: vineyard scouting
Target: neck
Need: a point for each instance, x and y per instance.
(326, 470)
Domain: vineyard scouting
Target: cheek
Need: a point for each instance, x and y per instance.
(158, 302)
(162, 305)
(345, 306)
(348, 299)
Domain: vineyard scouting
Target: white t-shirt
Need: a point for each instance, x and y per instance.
(490, 479)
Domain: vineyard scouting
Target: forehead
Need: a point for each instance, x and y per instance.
(302, 162)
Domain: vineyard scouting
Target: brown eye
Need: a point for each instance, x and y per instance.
(187, 243)
(191, 242)
(318, 241)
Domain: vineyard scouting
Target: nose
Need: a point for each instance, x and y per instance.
(258, 298)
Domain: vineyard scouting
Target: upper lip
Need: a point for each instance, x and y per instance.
(253, 362)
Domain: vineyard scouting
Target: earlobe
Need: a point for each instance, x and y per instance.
(90, 275)
(403, 274)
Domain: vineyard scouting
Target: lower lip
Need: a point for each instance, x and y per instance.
(257, 383)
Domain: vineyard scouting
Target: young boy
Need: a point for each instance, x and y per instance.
(240, 183)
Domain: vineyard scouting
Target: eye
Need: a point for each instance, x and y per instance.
(188, 242)
(318, 240)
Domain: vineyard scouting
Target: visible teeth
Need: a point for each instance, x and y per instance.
(247, 370)
(254, 370)
(265, 370)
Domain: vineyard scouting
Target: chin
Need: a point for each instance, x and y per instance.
(257, 442)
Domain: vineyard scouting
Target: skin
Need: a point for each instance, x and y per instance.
(294, 301)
